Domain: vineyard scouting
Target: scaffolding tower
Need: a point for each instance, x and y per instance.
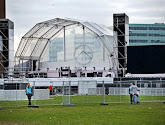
(121, 26)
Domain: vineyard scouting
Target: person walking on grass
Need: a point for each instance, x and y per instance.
(29, 93)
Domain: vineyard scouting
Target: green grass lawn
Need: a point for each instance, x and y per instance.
(86, 99)
(86, 114)
(147, 113)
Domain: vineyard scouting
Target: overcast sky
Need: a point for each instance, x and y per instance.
(26, 13)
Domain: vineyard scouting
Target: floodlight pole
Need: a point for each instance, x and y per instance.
(103, 52)
(84, 37)
(64, 46)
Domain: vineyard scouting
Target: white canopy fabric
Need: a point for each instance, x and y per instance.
(43, 32)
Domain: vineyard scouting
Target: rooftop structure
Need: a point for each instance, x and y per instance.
(57, 43)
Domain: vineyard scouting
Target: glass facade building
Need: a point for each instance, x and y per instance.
(147, 34)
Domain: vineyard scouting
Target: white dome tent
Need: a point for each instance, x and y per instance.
(57, 43)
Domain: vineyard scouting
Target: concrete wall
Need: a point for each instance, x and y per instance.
(12, 95)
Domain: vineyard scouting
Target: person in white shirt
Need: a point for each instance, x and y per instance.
(134, 90)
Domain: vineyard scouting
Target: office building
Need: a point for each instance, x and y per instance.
(146, 34)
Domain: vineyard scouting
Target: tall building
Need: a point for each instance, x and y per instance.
(147, 34)
(146, 49)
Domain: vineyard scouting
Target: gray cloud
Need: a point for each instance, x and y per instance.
(26, 13)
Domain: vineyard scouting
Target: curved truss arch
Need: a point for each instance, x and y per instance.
(34, 43)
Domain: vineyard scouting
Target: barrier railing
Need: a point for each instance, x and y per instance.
(80, 92)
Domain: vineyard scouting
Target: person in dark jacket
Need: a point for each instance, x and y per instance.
(29, 92)
(130, 92)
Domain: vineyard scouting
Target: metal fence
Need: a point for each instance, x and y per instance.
(80, 92)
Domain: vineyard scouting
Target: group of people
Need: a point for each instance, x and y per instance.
(132, 91)
(134, 96)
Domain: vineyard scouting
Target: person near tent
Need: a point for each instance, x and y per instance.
(130, 93)
(50, 89)
(134, 90)
(29, 93)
